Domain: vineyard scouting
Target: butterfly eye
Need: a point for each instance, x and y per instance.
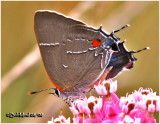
(56, 92)
(96, 42)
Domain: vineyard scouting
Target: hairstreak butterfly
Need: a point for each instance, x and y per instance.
(75, 55)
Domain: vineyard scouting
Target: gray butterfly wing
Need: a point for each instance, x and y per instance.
(67, 52)
(49, 28)
(84, 66)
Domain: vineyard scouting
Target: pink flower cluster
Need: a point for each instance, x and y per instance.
(137, 107)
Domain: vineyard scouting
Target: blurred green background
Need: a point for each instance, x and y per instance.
(18, 41)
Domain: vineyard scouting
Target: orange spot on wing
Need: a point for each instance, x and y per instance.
(129, 65)
(96, 43)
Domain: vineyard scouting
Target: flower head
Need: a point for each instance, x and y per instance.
(106, 87)
(79, 107)
(86, 108)
(94, 104)
(127, 104)
(137, 107)
(60, 119)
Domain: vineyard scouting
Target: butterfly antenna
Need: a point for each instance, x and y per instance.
(115, 31)
(30, 93)
(141, 50)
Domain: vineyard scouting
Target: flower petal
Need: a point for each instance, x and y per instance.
(113, 87)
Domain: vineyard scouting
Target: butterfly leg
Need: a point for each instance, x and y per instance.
(65, 99)
(70, 99)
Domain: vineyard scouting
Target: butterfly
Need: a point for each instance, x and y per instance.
(76, 56)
